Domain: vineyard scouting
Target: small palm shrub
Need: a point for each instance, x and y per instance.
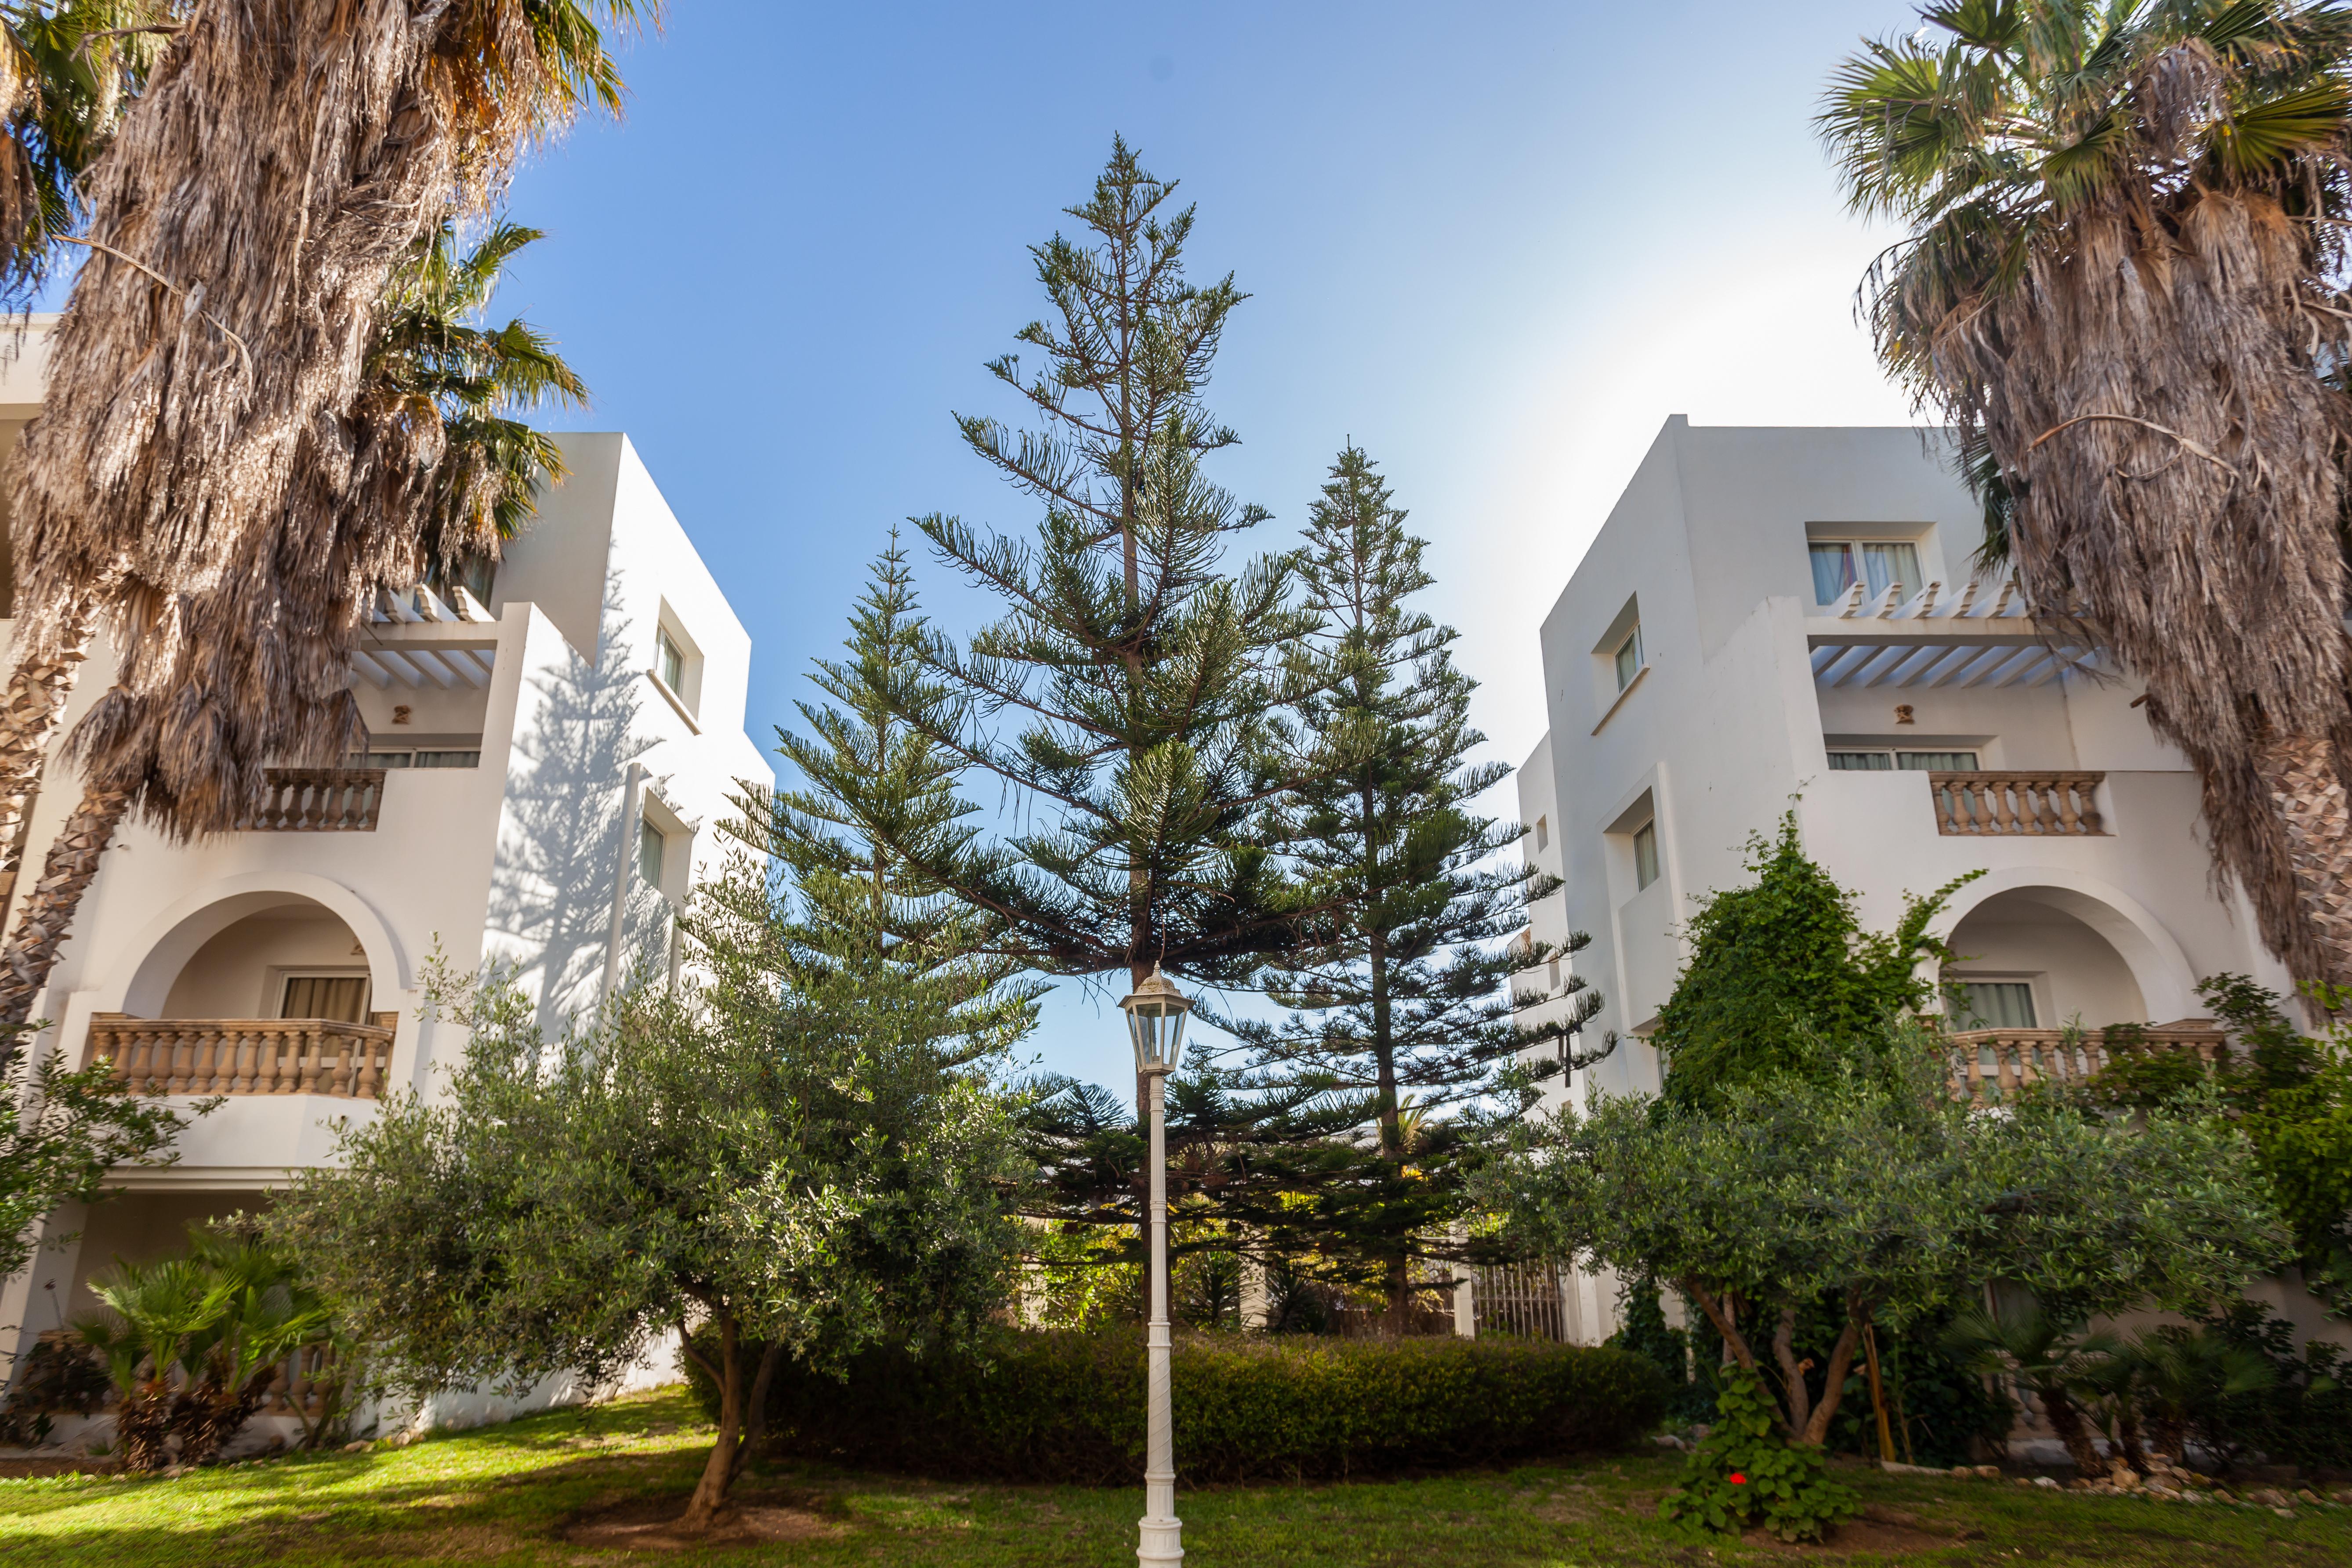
(1063, 1405)
(192, 1343)
(1746, 1472)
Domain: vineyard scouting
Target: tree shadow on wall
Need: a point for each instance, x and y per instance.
(562, 836)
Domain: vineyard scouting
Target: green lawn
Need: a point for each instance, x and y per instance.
(569, 1488)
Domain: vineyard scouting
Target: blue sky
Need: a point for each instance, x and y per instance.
(1495, 244)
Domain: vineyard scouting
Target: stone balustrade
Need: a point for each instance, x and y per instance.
(319, 800)
(246, 1055)
(1990, 1066)
(2016, 805)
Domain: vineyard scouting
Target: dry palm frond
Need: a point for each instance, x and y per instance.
(2114, 294)
(207, 472)
(254, 671)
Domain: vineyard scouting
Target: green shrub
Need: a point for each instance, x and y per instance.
(1744, 1472)
(58, 1377)
(2302, 1414)
(1062, 1406)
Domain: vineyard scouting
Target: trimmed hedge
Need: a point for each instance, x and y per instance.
(1064, 1405)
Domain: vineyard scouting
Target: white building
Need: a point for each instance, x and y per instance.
(546, 772)
(1789, 619)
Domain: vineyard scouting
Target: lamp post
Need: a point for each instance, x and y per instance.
(1155, 1025)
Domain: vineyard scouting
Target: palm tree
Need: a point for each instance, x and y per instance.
(186, 731)
(2184, 1374)
(205, 380)
(192, 1342)
(67, 71)
(2121, 290)
(68, 68)
(2045, 1351)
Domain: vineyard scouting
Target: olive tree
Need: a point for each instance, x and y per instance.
(1860, 1180)
(763, 1172)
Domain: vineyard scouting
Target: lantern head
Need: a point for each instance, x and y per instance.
(1155, 1023)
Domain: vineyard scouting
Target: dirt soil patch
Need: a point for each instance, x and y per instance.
(658, 1523)
(21, 1470)
(1879, 1529)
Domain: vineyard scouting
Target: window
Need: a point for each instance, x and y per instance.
(1543, 834)
(1645, 855)
(341, 997)
(673, 662)
(1552, 972)
(403, 757)
(1909, 762)
(1628, 657)
(1992, 1004)
(1839, 564)
(651, 843)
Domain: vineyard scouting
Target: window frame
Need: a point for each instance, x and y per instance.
(1630, 643)
(684, 692)
(1854, 543)
(2032, 982)
(1895, 765)
(280, 976)
(650, 835)
(1647, 833)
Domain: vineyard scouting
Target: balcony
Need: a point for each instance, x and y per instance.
(1991, 1066)
(2016, 805)
(320, 800)
(246, 1055)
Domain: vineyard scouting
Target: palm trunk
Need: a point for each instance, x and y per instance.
(2299, 770)
(50, 908)
(2066, 1420)
(30, 707)
(2127, 1432)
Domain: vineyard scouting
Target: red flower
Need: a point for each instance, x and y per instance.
(1737, 1479)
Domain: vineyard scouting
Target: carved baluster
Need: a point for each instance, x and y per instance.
(2001, 794)
(346, 1069)
(2066, 819)
(285, 1066)
(371, 1083)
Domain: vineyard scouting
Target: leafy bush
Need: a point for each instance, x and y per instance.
(1059, 1405)
(1779, 963)
(1743, 1473)
(59, 1378)
(2300, 1413)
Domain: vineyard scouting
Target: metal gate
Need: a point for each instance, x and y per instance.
(1523, 1298)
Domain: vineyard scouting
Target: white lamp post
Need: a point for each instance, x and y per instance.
(1155, 1024)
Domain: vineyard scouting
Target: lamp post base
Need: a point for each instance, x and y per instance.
(1161, 1541)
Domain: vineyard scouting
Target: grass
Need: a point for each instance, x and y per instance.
(517, 1495)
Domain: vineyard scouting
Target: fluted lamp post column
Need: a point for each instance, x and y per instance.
(1155, 1025)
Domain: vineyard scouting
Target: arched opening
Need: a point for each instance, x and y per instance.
(265, 991)
(2028, 959)
(293, 960)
